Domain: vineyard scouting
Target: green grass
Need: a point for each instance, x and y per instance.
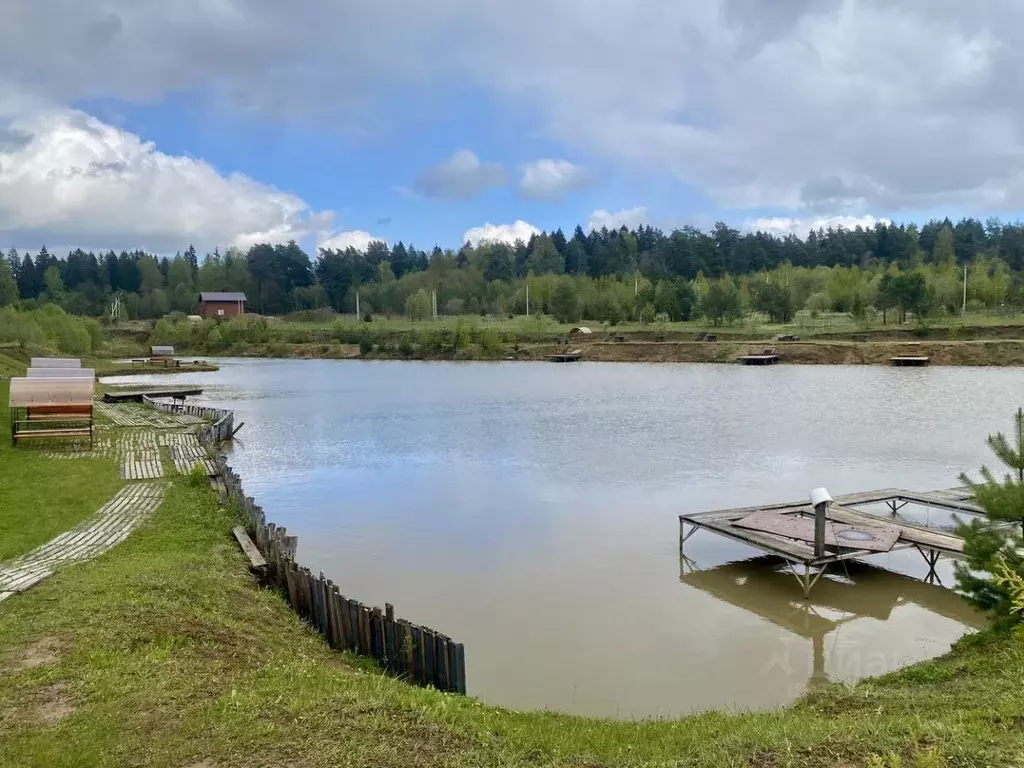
(165, 652)
(41, 497)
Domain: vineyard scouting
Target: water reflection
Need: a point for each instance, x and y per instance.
(766, 587)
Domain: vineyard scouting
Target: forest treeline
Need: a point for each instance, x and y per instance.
(607, 275)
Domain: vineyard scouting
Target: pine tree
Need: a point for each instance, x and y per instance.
(994, 544)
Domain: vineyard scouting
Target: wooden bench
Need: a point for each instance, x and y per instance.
(59, 412)
(257, 562)
(51, 408)
(27, 434)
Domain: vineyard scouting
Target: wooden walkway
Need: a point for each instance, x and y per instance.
(126, 395)
(106, 529)
(137, 415)
(165, 440)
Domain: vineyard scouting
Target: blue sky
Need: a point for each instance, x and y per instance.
(227, 122)
(366, 179)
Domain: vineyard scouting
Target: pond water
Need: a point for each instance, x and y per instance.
(531, 510)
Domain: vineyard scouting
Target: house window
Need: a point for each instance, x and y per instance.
(220, 312)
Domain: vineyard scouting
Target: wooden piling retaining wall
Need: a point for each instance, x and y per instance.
(405, 650)
(221, 429)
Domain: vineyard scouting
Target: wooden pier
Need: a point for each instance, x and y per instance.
(135, 396)
(908, 360)
(567, 357)
(787, 530)
(766, 357)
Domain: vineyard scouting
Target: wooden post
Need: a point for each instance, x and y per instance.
(819, 528)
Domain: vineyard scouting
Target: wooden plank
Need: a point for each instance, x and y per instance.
(909, 532)
(444, 663)
(461, 655)
(418, 660)
(365, 645)
(429, 648)
(802, 528)
(353, 608)
(377, 634)
(347, 638)
(791, 550)
(409, 639)
(256, 560)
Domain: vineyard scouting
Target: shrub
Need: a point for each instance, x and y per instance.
(405, 348)
(365, 346)
(489, 340)
(993, 544)
(196, 478)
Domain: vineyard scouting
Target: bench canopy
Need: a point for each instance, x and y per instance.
(56, 362)
(61, 373)
(161, 351)
(27, 392)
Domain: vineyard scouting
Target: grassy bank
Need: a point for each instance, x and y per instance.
(827, 340)
(165, 652)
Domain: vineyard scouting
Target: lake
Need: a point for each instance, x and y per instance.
(531, 510)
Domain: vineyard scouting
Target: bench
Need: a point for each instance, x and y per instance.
(49, 408)
(256, 560)
(27, 434)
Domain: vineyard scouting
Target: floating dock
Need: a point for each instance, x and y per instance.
(135, 395)
(758, 359)
(905, 360)
(567, 357)
(786, 530)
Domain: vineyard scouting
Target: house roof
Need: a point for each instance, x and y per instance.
(221, 296)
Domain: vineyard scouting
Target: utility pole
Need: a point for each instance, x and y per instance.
(357, 305)
(433, 303)
(527, 298)
(963, 312)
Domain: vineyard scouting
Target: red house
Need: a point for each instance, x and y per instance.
(217, 304)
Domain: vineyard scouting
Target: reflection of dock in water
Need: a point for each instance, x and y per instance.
(764, 587)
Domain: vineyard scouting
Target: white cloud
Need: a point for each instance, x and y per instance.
(548, 179)
(500, 233)
(755, 104)
(355, 238)
(461, 176)
(629, 217)
(66, 177)
(782, 225)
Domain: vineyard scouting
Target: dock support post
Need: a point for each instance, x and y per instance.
(806, 582)
(684, 534)
(819, 528)
(932, 558)
(895, 505)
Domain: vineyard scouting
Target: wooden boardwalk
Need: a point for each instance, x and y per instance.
(126, 395)
(104, 530)
(147, 443)
(137, 415)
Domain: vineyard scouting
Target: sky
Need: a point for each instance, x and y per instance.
(137, 123)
